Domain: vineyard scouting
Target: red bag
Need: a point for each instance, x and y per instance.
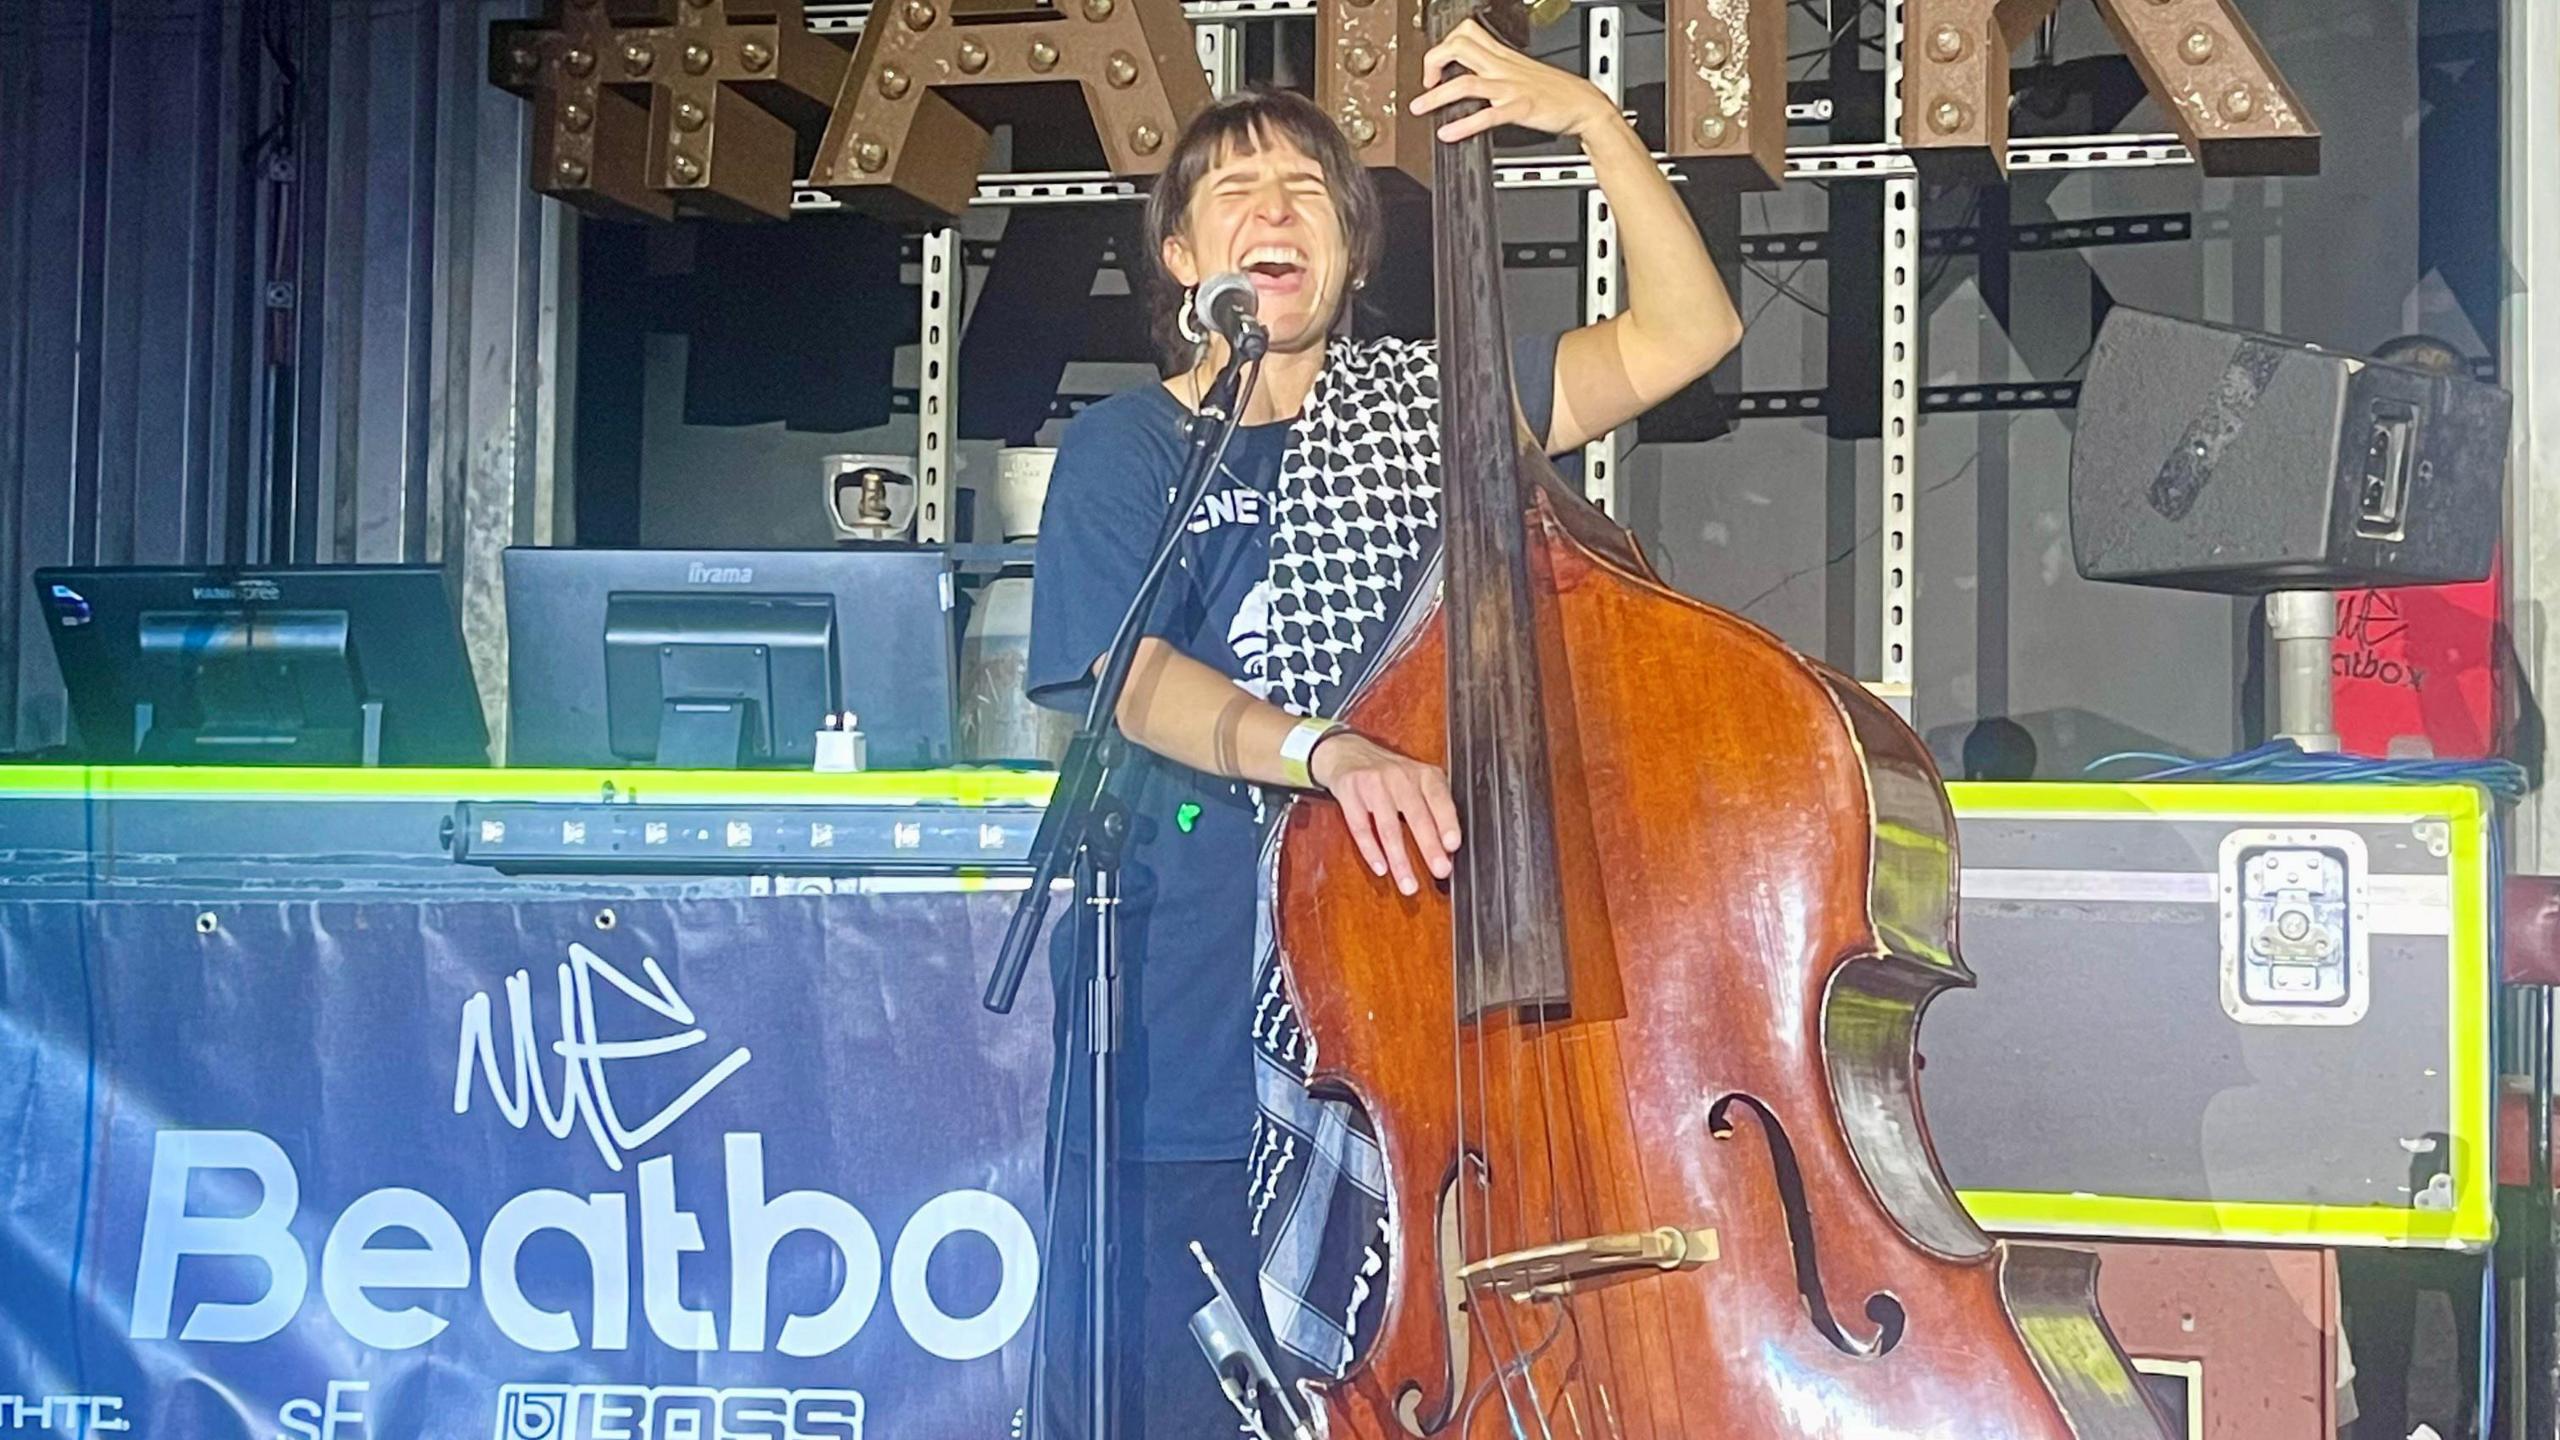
(2424, 663)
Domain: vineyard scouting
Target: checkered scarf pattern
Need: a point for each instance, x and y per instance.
(1355, 551)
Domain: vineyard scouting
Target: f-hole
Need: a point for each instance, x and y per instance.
(1448, 1243)
(1882, 1310)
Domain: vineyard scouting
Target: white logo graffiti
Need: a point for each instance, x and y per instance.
(1249, 636)
(584, 1094)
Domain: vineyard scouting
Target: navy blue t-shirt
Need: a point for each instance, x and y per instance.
(1185, 1074)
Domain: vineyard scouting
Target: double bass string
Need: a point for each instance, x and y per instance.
(1540, 1035)
(1466, 967)
(1466, 962)
(1489, 729)
(1531, 1035)
(1577, 1161)
(1480, 1162)
(1477, 739)
(1522, 1363)
(1571, 1313)
(1507, 1366)
(1518, 1363)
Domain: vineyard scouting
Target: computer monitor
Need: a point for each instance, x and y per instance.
(701, 659)
(324, 665)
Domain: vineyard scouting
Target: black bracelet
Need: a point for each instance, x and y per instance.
(1317, 747)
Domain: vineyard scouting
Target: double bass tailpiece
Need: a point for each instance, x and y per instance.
(1550, 1272)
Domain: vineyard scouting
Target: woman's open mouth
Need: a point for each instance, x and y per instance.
(1276, 270)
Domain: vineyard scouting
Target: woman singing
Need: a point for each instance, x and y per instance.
(1315, 537)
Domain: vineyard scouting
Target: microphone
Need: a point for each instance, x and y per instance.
(1225, 304)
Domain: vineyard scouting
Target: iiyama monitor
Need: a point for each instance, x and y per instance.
(693, 659)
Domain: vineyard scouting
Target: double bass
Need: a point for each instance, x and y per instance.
(1643, 1077)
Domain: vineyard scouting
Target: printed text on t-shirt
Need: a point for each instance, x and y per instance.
(1241, 505)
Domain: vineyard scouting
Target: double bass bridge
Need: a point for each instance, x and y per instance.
(1551, 1272)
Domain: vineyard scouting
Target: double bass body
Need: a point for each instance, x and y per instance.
(1643, 1074)
(1756, 868)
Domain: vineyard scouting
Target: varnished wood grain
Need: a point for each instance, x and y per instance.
(1719, 800)
(1707, 892)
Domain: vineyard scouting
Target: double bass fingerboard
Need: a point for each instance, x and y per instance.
(1509, 912)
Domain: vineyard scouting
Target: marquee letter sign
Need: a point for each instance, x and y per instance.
(1369, 66)
(647, 109)
(643, 108)
(1726, 92)
(902, 139)
(1724, 53)
(2198, 58)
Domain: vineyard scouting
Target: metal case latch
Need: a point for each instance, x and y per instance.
(2294, 927)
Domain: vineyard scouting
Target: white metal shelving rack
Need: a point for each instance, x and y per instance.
(1217, 22)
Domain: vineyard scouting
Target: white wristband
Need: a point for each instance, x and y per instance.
(1301, 743)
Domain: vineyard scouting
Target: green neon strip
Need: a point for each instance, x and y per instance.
(2041, 797)
(2471, 1125)
(2011, 1212)
(43, 782)
(2474, 1127)
(2457, 802)
(138, 782)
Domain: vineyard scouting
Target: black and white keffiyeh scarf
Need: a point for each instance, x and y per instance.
(1355, 553)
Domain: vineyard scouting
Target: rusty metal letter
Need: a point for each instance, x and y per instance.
(1955, 87)
(2204, 65)
(902, 141)
(1369, 66)
(590, 140)
(1725, 63)
(647, 108)
(2198, 58)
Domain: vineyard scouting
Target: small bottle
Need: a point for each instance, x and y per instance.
(840, 746)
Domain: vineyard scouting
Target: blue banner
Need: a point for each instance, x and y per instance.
(679, 1170)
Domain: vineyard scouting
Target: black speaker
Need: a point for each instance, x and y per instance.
(2209, 458)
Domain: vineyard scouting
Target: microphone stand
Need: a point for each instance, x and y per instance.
(1087, 823)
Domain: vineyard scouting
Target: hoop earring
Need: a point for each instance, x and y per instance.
(1186, 322)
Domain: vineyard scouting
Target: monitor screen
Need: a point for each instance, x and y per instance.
(689, 659)
(324, 665)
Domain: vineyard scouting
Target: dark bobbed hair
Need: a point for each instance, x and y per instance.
(1241, 124)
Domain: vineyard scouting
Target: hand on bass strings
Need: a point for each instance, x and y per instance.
(1384, 797)
(1194, 715)
(1516, 89)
